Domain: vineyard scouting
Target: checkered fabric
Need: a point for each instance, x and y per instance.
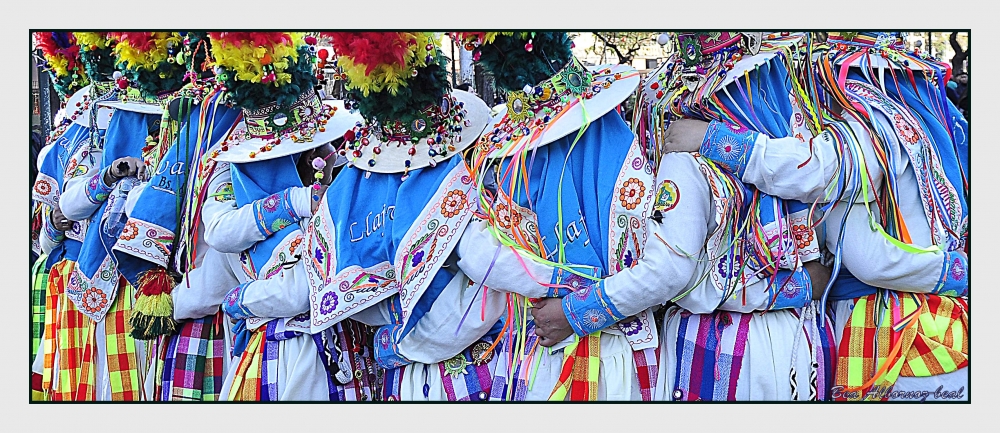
(581, 366)
(123, 366)
(39, 284)
(647, 363)
(891, 334)
(192, 361)
(247, 381)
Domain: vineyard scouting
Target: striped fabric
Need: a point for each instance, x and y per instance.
(891, 334)
(192, 361)
(39, 284)
(274, 334)
(393, 383)
(474, 383)
(513, 385)
(581, 365)
(123, 367)
(710, 353)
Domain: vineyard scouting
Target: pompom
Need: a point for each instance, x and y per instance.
(153, 312)
(96, 54)
(147, 59)
(377, 61)
(513, 65)
(62, 57)
(258, 68)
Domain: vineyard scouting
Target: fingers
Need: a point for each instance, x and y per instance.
(141, 171)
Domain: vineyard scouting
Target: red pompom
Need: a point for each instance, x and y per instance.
(323, 54)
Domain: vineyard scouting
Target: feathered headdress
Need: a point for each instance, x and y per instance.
(62, 59)
(148, 61)
(260, 68)
(399, 84)
(518, 59)
(96, 53)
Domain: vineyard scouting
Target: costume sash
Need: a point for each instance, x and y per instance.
(376, 235)
(97, 281)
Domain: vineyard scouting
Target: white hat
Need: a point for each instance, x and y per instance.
(331, 118)
(394, 152)
(559, 106)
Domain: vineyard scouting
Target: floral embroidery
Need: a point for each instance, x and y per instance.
(43, 187)
(957, 269)
(271, 202)
(94, 300)
(631, 327)
(383, 339)
(726, 269)
(329, 303)
(593, 319)
(667, 197)
(631, 193)
(803, 236)
(130, 231)
(319, 255)
(908, 133)
(454, 202)
(507, 217)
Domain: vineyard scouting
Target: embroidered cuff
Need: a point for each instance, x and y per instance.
(954, 279)
(54, 235)
(97, 191)
(590, 310)
(790, 289)
(386, 350)
(233, 307)
(567, 278)
(274, 212)
(729, 145)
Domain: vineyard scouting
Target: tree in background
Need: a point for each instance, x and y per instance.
(958, 60)
(624, 45)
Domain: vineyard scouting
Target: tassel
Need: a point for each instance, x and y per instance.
(153, 314)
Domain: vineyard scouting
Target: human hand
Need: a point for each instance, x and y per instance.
(684, 135)
(551, 324)
(820, 277)
(125, 167)
(59, 221)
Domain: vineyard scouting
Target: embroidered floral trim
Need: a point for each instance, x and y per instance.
(386, 350)
(576, 282)
(790, 289)
(274, 212)
(631, 193)
(454, 202)
(955, 276)
(590, 310)
(233, 306)
(97, 192)
(729, 145)
(94, 300)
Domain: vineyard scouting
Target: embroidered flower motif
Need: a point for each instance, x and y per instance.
(729, 147)
(727, 269)
(803, 236)
(957, 270)
(631, 327)
(295, 244)
(507, 217)
(71, 167)
(908, 133)
(383, 339)
(130, 231)
(453, 203)
(319, 255)
(629, 260)
(417, 258)
(234, 296)
(593, 319)
(94, 300)
(329, 303)
(630, 194)
(43, 187)
(271, 202)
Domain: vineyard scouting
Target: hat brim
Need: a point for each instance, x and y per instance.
(478, 115)
(336, 126)
(134, 107)
(84, 118)
(570, 121)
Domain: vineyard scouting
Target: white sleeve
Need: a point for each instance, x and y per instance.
(437, 336)
(876, 261)
(228, 228)
(203, 289)
(663, 272)
(283, 295)
(47, 243)
(74, 201)
(507, 272)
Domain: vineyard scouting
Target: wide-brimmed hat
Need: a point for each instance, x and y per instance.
(562, 102)
(712, 60)
(243, 146)
(879, 50)
(412, 118)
